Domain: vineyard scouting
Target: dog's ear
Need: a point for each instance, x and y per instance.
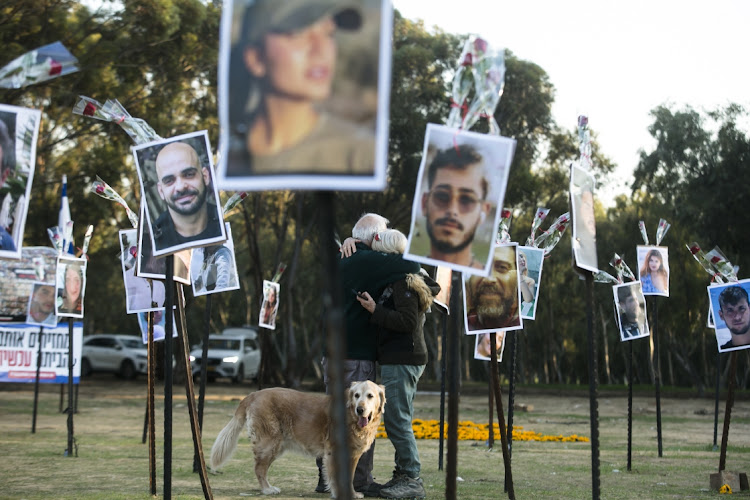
(381, 393)
(350, 398)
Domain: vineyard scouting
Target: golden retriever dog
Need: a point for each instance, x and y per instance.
(281, 419)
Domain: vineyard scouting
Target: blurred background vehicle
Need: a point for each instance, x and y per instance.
(233, 353)
(124, 355)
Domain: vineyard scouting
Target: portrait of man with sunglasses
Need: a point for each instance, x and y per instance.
(455, 204)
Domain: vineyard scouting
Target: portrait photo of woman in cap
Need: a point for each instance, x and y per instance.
(299, 93)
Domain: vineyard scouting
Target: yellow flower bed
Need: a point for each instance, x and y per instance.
(470, 431)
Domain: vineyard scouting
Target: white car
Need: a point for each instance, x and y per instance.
(234, 354)
(125, 355)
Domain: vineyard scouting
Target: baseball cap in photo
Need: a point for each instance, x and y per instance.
(285, 16)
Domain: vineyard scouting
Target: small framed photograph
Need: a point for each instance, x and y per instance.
(630, 305)
(731, 314)
(530, 262)
(19, 129)
(444, 278)
(213, 269)
(653, 269)
(41, 310)
(459, 193)
(160, 326)
(483, 344)
(179, 193)
(141, 294)
(270, 306)
(492, 303)
(582, 186)
(71, 287)
(304, 94)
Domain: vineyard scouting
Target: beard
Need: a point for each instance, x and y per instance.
(191, 209)
(494, 312)
(446, 246)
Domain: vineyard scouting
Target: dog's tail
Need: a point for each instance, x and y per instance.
(226, 441)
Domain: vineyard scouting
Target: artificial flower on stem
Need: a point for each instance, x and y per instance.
(232, 202)
(642, 227)
(584, 143)
(539, 216)
(604, 277)
(622, 268)
(662, 230)
(38, 65)
(549, 238)
(722, 264)
(105, 191)
(112, 111)
(503, 233)
(695, 249)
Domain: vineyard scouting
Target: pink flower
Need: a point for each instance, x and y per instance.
(89, 110)
(480, 45)
(133, 251)
(695, 249)
(243, 195)
(715, 259)
(99, 189)
(505, 214)
(468, 60)
(583, 121)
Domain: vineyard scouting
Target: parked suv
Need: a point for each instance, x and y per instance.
(124, 355)
(234, 353)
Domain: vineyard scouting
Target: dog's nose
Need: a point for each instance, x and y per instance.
(360, 410)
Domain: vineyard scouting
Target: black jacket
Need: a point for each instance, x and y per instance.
(400, 316)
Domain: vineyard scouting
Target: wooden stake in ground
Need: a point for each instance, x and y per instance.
(501, 417)
(151, 375)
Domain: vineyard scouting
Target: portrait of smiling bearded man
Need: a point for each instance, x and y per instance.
(492, 301)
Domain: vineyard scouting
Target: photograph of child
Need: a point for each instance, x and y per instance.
(631, 310)
(491, 303)
(303, 94)
(71, 287)
(731, 313)
(530, 262)
(270, 306)
(483, 344)
(459, 192)
(141, 294)
(41, 310)
(582, 185)
(19, 128)
(213, 268)
(179, 194)
(653, 269)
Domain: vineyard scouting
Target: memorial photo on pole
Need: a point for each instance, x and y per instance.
(582, 185)
(653, 269)
(530, 262)
(41, 310)
(630, 305)
(459, 192)
(491, 303)
(19, 128)
(303, 94)
(270, 306)
(731, 313)
(141, 294)
(71, 287)
(483, 344)
(179, 194)
(213, 268)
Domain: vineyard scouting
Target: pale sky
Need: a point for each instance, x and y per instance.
(614, 61)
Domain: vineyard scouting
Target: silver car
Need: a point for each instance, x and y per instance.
(234, 354)
(124, 355)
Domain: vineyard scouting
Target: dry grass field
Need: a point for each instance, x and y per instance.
(112, 462)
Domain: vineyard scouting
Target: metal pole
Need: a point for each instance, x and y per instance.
(151, 358)
(454, 385)
(630, 404)
(335, 347)
(70, 409)
(204, 374)
(490, 420)
(36, 380)
(716, 397)
(728, 410)
(593, 388)
(657, 375)
(443, 364)
(501, 418)
(168, 330)
(511, 388)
